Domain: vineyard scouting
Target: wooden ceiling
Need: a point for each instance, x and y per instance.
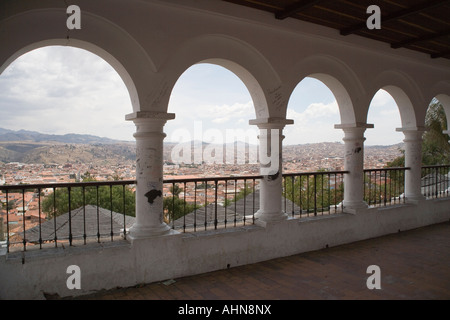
(420, 25)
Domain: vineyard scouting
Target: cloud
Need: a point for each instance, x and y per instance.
(60, 90)
(314, 124)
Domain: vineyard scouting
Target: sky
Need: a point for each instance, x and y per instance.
(59, 90)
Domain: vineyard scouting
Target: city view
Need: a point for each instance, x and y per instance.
(113, 162)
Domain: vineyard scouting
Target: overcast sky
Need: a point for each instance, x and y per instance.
(59, 90)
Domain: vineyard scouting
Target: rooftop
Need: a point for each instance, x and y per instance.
(414, 265)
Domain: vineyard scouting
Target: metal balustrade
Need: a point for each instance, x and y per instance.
(313, 193)
(435, 181)
(383, 187)
(71, 214)
(196, 204)
(48, 215)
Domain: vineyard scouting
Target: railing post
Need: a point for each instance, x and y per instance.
(354, 164)
(413, 160)
(149, 174)
(270, 158)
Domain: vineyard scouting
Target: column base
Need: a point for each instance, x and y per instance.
(354, 206)
(415, 199)
(270, 216)
(149, 232)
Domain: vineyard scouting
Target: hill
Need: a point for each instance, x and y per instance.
(33, 136)
(33, 147)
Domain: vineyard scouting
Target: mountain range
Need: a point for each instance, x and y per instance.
(34, 147)
(7, 135)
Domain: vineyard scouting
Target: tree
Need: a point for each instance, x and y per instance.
(174, 207)
(435, 146)
(313, 192)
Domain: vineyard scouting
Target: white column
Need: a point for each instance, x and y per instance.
(149, 174)
(271, 162)
(354, 164)
(413, 160)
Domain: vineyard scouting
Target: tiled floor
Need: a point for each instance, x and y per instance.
(414, 265)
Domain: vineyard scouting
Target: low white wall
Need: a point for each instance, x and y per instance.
(124, 264)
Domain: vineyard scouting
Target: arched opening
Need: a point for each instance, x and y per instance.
(384, 114)
(435, 145)
(313, 143)
(384, 178)
(210, 137)
(61, 90)
(63, 121)
(213, 106)
(314, 153)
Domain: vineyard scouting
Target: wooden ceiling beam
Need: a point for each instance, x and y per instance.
(427, 37)
(296, 8)
(440, 54)
(397, 15)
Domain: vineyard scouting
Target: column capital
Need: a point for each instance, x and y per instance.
(271, 123)
(354, 126)
(412, 129)
(150, 116)
(149, 123)
(412, 133)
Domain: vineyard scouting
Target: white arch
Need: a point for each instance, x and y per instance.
(33, 29)
(240, 58)
(444, 99)
(338, 77)
(407, 95)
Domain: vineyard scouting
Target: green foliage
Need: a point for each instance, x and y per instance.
(435, 146)
(175, 207)
(313, 192)
(381, 187)
(104, 196)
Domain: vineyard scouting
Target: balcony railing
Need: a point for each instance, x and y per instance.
(436, 181)
(383, 187)
(46, 215)
(196, 204)
(313, 193)
(52, 215)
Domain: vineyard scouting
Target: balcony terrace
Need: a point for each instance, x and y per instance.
(183, 228)
(420, 272)
(312, 203)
